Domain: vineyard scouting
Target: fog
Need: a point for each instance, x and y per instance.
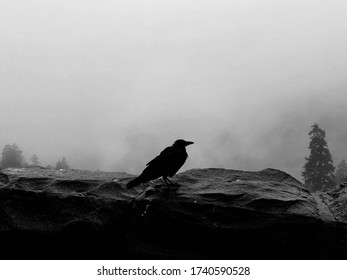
(109, 84)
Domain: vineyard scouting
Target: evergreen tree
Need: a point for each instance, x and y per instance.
(64, 164)
(35, 159)
(318, 170)
(12, 156)
(341, 172)
(58, 165)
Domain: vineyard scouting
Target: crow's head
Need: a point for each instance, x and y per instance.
(182, 143)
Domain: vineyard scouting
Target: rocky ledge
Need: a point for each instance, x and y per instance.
(210, 214)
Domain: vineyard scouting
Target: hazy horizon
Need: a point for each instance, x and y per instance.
(109, 84)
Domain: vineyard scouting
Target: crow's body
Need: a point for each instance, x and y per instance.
(166, 164)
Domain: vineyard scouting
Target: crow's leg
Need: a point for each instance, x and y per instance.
(155, 183)
(171, 183)
(166, 179)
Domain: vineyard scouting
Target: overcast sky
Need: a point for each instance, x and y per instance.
(108, 84)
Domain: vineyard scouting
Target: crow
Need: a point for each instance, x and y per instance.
(169, 161)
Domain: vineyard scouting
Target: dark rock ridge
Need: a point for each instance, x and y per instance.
(211, 214)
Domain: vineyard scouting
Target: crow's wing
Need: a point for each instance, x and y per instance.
(160, 157)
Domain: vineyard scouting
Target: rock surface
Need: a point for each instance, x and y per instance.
(210, 214)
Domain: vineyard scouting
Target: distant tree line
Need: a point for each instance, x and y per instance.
(12, 157)
(318, 172)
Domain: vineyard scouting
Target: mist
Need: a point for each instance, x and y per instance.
(109, 84)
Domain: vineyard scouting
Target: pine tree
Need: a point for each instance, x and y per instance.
(64, 164)
(12, 156)
(58, 165)
(35, 159)
(341, 172)
(318, 170)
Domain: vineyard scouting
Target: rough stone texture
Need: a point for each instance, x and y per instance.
(336, 201)
(210, 214)
(3, 179)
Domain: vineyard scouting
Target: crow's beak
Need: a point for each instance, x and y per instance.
(189, 143)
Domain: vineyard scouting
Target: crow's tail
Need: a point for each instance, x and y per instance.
(134, 183)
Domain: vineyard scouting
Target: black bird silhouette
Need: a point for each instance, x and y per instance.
(166, 164)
